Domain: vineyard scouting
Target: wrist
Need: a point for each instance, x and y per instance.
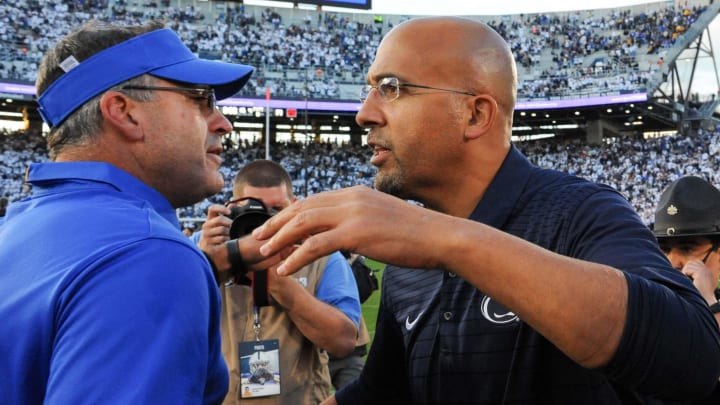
(237, 266)
(715, 307)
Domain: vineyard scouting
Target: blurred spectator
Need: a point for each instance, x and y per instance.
(3, 206)
(577, 53)
(639, 168)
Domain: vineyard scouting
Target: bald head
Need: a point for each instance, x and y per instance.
(467, 52)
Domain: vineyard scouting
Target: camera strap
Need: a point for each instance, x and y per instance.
(238, 271)
(260, 288)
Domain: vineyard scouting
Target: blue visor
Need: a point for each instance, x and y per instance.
(160, 53)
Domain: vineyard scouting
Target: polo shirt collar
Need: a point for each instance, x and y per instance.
(503, 193)
(43, 175)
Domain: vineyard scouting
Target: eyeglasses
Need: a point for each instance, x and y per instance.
(204, 97)
(713, 248)
(686, 248)
(389, 89)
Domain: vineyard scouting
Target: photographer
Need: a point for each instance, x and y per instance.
(315, 311)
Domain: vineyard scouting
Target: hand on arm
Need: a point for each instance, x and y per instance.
(216, 234)
(357, 219)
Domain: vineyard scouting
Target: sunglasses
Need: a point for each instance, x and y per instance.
(205, 97)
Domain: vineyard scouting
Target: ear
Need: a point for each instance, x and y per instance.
(118, 112)
(483, 116)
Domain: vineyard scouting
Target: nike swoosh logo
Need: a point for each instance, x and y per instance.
(408, 324)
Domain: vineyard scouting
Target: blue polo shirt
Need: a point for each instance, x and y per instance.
(104, 300)
(441, 340)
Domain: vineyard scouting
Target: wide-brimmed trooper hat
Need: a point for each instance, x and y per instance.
(690, 206)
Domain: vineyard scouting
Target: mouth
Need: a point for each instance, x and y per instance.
(214, 154)
(380, 154)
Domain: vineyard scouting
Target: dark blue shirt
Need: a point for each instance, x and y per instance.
(104, 300)
(441, 340)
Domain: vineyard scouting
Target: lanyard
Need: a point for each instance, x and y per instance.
(256, 323)
(260, 298)
(260, 288)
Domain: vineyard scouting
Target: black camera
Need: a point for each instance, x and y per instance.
(247, 217)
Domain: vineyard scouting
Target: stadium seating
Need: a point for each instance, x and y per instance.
(639, 168)
(560, 55)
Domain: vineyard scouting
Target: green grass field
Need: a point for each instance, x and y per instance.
(370, 307)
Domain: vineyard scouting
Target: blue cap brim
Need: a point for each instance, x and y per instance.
(225, 78)
(160, 53)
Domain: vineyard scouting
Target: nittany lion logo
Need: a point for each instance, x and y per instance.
(496, 313)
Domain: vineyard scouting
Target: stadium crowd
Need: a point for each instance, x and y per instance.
(639, 168)
(118, 155)
(560, 55)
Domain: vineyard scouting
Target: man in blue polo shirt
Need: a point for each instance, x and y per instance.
(511, 284)
(104, 300)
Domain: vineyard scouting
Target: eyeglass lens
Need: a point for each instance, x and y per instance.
(388, 88)
(713, 248)
(206, 95)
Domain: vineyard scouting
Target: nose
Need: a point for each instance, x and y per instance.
(370, 114)
(218, 123)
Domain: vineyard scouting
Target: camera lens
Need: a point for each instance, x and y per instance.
(247, 217)
(246, 222)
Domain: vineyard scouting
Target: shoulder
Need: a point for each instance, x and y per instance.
(195, 237)
(335, 268)
(337, 260)
(159, 262)
(549, 181)
(559, 193)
